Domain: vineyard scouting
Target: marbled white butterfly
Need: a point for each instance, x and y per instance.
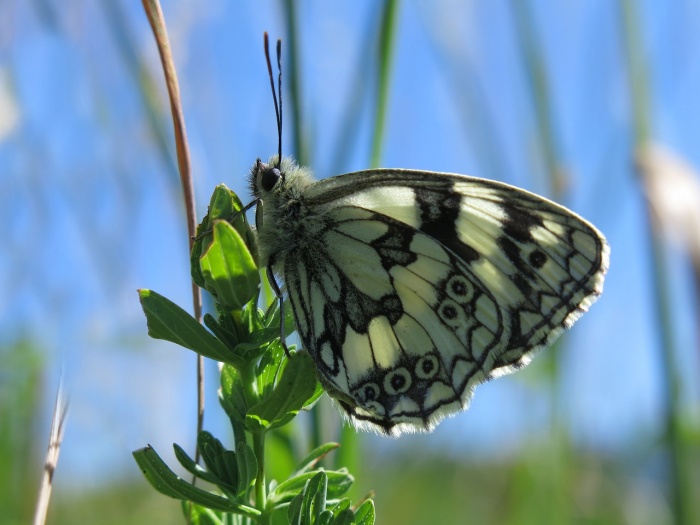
(409, 288)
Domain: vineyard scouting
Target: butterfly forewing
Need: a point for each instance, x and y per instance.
(410, 288)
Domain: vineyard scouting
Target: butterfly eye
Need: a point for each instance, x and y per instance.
(269, 178)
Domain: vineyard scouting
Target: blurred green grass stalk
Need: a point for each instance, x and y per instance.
(558, 467)
(640, 89)
(350, 453)
(385, 54)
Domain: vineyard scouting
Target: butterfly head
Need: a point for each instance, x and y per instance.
(266, 177)
(273, 180)
(278, 191)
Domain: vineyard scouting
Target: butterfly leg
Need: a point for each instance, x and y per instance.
(278, 294)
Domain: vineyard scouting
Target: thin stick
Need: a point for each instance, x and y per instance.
(155, 18)
(60, 409)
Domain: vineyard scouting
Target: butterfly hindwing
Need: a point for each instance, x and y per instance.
(399, 344)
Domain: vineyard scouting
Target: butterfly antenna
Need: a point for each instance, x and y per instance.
(278, 112)
(279, 94)
(275, 95)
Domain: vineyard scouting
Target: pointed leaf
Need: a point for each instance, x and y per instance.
(230, 273)
(231, 465)
(339, 481)
(188, 463)
(316, 495)
(263, 336)
(247, 466)
(341, 506)
(167, 482)
(324, 518)
(310, 460)
(232, 394)
(269, 368)
(224, 205)
(294, 511)
(227, 337)
(344, 517)
(211, 449)
(271, 319)
(168, 321)
(294, 388)
(198, 515)
(365, 514)
(318, 392)
(251, 317)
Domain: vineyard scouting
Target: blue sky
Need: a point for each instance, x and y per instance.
(92, 211)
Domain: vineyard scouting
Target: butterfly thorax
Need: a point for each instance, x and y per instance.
(286, 223)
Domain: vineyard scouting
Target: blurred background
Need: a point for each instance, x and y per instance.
(593, 103)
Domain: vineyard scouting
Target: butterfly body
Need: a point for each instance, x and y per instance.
(410, 288)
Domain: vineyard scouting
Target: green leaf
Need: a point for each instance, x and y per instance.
(263, 336)
(293, 389)
(344, 517)
(324, 518)
(318, 392)
(188, 463)
(229, 338)
(230, 273)
(294, 511)
(232, 394)
(207, 517)
(342, 514)
(222, 463)
(219, 208)
(167, 482)
(198, 515)
(311, 459)
(247, 467)
(315, 497)
(339, 481)
(224, 205)
(251, 317)
(271, 319)
(168, 321)
(268, 369)
(230, 460)
(210, 448)
(341, 506)
(365, 514)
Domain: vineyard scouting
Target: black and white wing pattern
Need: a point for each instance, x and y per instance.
(410, 288)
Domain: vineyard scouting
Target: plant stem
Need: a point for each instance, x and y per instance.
(535, 69)
(260, 493)
(641, 106)
(299, 147)
(386, 41)
(184, 165)
(538, 84)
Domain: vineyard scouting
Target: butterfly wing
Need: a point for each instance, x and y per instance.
(419, 286)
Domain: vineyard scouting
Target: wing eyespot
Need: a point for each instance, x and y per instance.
(397, 382)
(427, 367)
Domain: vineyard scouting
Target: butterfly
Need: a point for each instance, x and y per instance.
(409, 288)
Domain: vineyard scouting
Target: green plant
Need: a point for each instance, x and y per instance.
(262, 389)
